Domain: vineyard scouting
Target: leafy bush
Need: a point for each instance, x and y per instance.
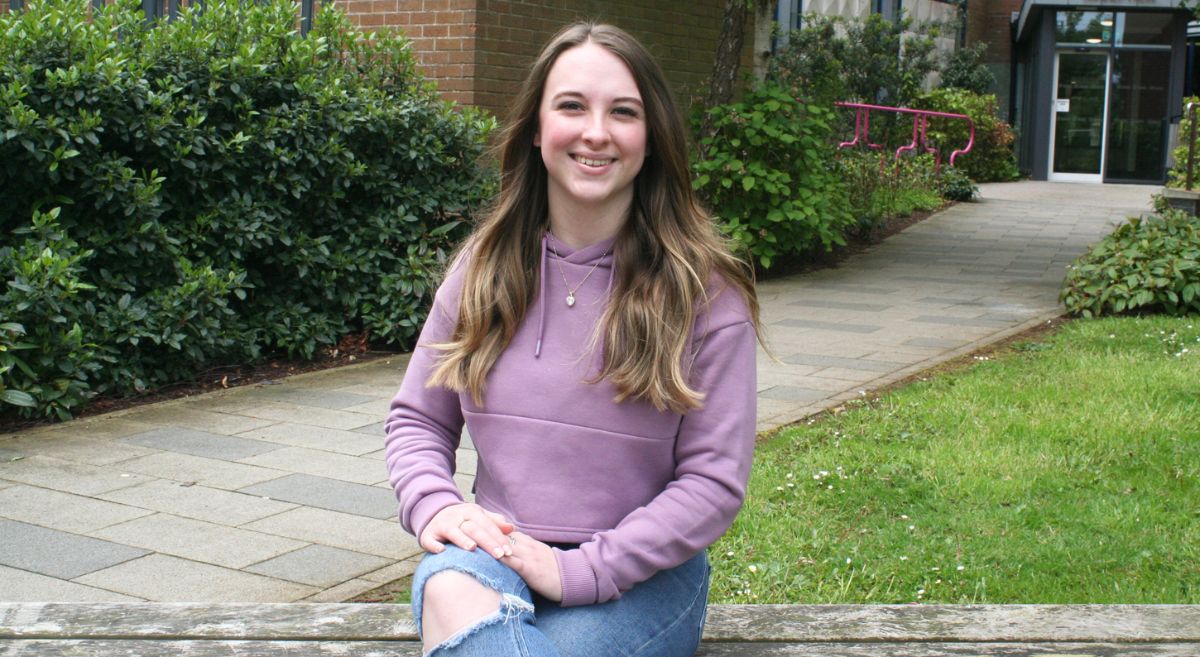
(957, 185)
(767, 173)
(991, 158)
(46, 362)
(224, 189)
(1177, 176)
(879, 187)
(870, 60)
(964, 69)
(1150, 264)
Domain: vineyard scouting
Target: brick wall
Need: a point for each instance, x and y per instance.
(988, 21)
(442, 32)
(478, 50)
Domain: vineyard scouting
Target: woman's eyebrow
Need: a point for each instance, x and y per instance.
(576, 94)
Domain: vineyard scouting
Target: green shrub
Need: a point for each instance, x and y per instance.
(964, 69)
(226, 188)
(767, 173)
(991, 159)
(880, 187)
(1150, 264)
(47, 363)
(870, 60)
(957, 185)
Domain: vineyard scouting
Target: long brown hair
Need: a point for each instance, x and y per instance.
(666, 254)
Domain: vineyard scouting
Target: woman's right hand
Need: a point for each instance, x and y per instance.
(468, 526)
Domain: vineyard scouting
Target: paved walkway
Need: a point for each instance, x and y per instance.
(278, 492)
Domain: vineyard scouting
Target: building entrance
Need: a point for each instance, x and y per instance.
(1110, 109)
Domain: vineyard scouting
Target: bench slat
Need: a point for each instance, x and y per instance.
(193, 648)
(796, 623)
(183, 620)
(946, 650)
(1031, 623)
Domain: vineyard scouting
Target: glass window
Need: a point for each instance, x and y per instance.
(1140, 28)
(1083, 27)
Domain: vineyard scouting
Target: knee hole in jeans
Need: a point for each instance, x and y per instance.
(454, 601)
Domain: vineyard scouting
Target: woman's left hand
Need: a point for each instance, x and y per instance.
(534, 561)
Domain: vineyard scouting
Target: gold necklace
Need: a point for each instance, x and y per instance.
(571, 291)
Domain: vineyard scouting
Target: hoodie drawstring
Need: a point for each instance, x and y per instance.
(537, 349)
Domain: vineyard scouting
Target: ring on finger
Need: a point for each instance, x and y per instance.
(463, 522)
(512, 539)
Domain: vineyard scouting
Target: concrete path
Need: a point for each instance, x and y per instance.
(278, 493)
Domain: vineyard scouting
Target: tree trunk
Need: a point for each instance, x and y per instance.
(764, 30)
(728, 59)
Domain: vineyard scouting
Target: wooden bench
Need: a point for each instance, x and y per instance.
(378, 630)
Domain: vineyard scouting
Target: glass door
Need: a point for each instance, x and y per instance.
(1138, 116)
(1080, 109)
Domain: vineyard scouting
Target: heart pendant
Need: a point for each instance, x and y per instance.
(570, 300)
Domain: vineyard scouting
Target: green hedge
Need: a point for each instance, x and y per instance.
(211, 190)
(991, 159)
(1150, 264)
(768, 174)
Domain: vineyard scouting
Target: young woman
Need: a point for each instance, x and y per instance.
(597, 339)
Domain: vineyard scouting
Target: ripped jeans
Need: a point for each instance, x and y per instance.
(661, 617)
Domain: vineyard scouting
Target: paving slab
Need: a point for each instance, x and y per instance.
(68, 476)
(319, 398)
(190, 469)
(198, 540)
(200, 443)
(24, 586)
(187, 415)
(329, 494)
(322, 463)
(102, 427)
(321, 417)
(62, 511)
(341, 530)
(58, 554)
(230, 508)
(320, 565)
(162, 578)
(77, 446)
(373, 429)
(353, 443)
(393, 571)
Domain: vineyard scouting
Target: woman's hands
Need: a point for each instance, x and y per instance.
(534, 561)
(470, 526)
(467, 526)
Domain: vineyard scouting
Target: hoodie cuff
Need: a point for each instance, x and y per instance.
(578, 578)
(429, 506)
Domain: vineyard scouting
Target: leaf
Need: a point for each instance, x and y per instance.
(17, 398)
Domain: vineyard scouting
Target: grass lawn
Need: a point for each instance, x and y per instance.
(1063, 470)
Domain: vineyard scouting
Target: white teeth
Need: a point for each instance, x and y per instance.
(590, 162)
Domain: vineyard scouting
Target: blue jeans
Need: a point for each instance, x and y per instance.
(661, 617)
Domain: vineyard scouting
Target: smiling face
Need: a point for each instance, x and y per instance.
(592, 136)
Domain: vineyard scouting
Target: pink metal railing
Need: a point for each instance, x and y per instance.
(862, 124)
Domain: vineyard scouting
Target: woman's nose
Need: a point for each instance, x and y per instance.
(596, 130)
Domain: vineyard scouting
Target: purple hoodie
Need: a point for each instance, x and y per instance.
(640, 490)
